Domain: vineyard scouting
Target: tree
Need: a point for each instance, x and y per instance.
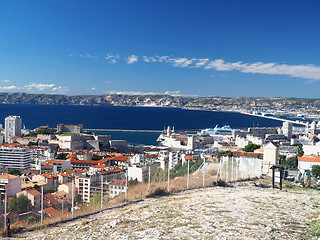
(95, 200)
(20, 204)
(14, 171)
(228, 153)
(32, 144)
(62, 156)
(299, 151)
(37, 187)
(251, 147)
(78, 199)
(44, 131)
(31, 219)
(290, 163)
(315, 171)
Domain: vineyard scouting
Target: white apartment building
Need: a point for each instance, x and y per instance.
(13, 125)
(83, 184)
(14, 157)
(117, 187)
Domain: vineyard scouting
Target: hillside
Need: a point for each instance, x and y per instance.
(218, 103)
(239, 212)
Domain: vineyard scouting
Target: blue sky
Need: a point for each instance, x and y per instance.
(204, 48)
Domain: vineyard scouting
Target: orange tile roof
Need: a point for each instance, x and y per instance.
(8, 176)
(117, 182)
(85, 161)
(309, 159)
(12, 214)
(46, 175)
(11, 145)
(115, 170)
(52, 212)
(241, 153)
(33, 192)
(54, 161)
(99, 166)
(62, 193)
(120, 158)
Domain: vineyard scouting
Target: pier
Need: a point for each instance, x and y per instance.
(132, 130)
(275, 118)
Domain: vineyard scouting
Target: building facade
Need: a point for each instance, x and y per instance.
(14, 157)
(13, 125)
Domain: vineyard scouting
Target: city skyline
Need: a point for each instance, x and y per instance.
(208, 48)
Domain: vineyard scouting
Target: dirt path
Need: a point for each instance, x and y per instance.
(240, 212)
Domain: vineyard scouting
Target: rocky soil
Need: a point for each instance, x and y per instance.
(243, 211)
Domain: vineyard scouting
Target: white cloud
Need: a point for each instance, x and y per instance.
(112, 58)
(300, 71)
(8, 88)
(60, 90)
(107, 82)
(309, 72)
(149, 59)
(201, 62)
(132, 59)
(43, 87)
(5, 81)
(93, 88)
(89, 56)
(39, 86)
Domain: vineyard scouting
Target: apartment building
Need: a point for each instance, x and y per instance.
(15, 157)
(13, 125)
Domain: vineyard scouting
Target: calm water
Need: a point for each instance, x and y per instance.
(111, 117)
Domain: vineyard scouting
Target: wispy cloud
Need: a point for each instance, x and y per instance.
(93, 88)
(132, 59)
(39, 86)
(45, 87)
(112, 58)
(89, 56)
(9, 88)
(309, 71)
(5, 81)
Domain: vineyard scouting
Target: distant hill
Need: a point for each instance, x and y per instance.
(218, 103)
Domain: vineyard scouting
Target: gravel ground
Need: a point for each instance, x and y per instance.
(239, 212)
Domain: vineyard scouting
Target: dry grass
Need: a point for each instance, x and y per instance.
(140, 191)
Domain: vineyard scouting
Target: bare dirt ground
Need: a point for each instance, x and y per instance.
(243, 211)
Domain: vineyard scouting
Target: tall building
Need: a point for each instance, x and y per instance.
(287, 129)
(13, 126)
(14, 157)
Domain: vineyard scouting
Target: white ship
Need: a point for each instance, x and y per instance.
(217, 132)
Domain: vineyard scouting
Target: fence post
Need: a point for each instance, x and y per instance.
(62, 206)
(168, 178)
(227, 170)
(101, 191)
(72, 203)
(41, 205)
(188, 176)
(5, 211)
(232, 177)
(237, 169)
(220, 170)
(126, 192)
(204, 172)
(149, 182)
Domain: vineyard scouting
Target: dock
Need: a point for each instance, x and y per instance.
(275, 118)
(134, 130)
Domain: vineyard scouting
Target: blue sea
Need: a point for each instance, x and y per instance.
(135, 118)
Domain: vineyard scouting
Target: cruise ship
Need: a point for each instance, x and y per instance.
(217, 132)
